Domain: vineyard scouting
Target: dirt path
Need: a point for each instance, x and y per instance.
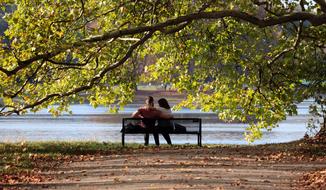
(198, 168)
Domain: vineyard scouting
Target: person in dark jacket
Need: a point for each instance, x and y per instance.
(165, 126)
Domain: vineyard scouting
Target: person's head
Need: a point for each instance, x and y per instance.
(163, 103)
(150, 101)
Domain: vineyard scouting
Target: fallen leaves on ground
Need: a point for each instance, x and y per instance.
(314, 180)
(24, 177)
(15, 172)
(222, 156)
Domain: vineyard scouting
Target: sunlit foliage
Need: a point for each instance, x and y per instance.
(250, 61)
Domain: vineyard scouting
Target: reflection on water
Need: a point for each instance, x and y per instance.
(97, 125)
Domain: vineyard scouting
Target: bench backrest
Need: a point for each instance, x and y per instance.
(180, 125)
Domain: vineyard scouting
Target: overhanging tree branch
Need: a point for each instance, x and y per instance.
(287, 50)
(24, 64)
(322, 4)
(73, 64)
(26, 82)
(88, 86)
(298, 16)
(313, 19)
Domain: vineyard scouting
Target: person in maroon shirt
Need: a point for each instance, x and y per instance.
(150, 113)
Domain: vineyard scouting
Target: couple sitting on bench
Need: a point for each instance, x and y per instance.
(150, 112)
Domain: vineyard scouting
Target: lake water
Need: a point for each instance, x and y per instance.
(89, 124)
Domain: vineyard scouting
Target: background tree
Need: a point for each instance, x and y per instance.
(250, 59)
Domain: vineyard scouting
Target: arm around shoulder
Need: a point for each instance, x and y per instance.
(165, 116)
(136, 114)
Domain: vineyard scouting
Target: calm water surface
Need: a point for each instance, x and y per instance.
(89, 124)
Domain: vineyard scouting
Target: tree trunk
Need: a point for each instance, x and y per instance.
(321, 135)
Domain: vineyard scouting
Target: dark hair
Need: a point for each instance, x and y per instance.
(150, 101)
(163, 103)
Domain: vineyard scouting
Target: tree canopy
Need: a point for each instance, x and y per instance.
(241, 59)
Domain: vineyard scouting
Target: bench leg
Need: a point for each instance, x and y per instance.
(123, 139)
(199, 140)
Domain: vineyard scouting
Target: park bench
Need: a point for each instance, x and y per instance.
(187, 126)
